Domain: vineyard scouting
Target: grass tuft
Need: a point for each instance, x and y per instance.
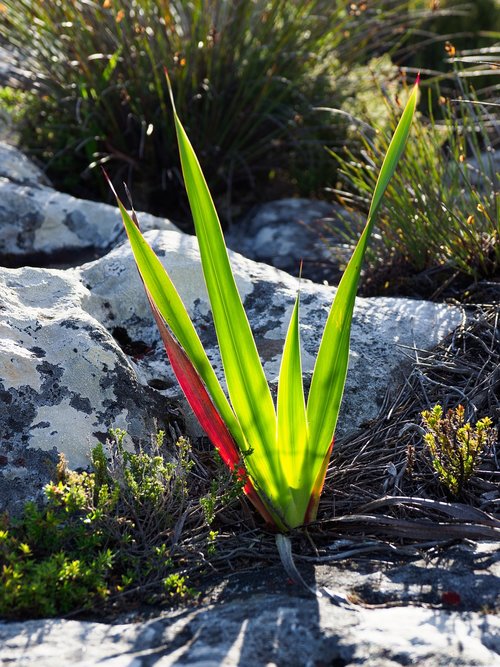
(441, 215)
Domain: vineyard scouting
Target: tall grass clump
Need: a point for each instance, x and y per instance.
(248, 74)
(441, 216)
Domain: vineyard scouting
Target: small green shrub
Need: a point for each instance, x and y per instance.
(99, 533)
(176, 587)
(455, 445)
(11, 101)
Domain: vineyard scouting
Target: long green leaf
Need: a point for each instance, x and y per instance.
(292, 424)
(328, 380)
(166, 298)
(247, 385)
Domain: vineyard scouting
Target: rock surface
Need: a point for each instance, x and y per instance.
(66, 380)
(44, 226)
(16, 167)
(483, 173)
(283, 233)
(254, 621)
(41, 224)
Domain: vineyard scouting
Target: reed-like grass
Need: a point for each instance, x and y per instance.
(249, 75)
(442, 211)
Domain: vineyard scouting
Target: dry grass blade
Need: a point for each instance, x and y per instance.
(390, 472)
(456, 510)
(412, 529)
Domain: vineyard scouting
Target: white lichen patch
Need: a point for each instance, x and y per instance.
(65, 381)
(19, 365)
(115, 279)
(61, 429)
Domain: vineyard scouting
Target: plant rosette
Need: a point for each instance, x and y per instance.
(281, 453)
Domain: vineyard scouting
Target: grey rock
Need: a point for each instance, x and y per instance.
(39, 222)
(283, 233)
(384, 329)
(16, 167)
(253, 620)
(483, 171)
(64, 383)
(65, 380)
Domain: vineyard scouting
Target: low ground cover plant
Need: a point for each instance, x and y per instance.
(455, 445)
(281, 453)
(101, 534)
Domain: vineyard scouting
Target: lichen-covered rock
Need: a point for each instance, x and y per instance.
(383, 328)
(256, 619)
(286, 232)
(64, 382)
(42, 226)
(16, 167)
(80, 353)
(262, 631)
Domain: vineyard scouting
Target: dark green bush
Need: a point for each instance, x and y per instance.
(247, 77)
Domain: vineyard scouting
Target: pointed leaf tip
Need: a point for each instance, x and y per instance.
(169, 85)
(418, 79)
(106, 176)
(132, 209)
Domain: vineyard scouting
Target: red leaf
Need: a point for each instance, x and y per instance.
(197, 395)
(205, 411)
(312, 508)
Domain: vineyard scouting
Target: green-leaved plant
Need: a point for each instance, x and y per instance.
(455, 445)
(101, 533)
(281, 452)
